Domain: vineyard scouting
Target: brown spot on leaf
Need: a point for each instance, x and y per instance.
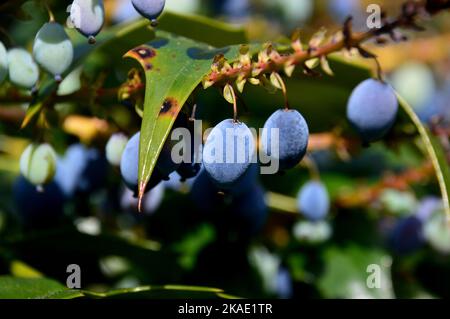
(169, 107)
(143, 54)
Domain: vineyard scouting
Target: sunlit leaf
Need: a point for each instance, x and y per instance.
(34, 288)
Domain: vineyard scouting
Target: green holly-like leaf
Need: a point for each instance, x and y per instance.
(44, 288)
(34, 288)
(163, 292)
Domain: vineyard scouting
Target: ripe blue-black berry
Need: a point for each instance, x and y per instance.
(407, 235)
(204, 193)
(94, 174)
(81, 170)
(247, 181)
(151, 202)
(130, 162)
(289, 146)
(188, 170)
(150, 9)
(37, 208)
(313, 201)
(372, 109)
(284, 285)
(232, 9)
(250, 209)
(340, 10)
(190, 166)
(88, 17)
(228, 152)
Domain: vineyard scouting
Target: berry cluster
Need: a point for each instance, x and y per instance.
(371, 110)
(46, 179)
(53, 50)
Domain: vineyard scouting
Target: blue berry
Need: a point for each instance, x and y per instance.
(150, 9)
(37, 208)
(81, 170)
(52, 49)
(407, 235)
(88, 17)
(292, 140)
(284, 286)
(250, 209)
(313, 201)
(228, 152)
(151, 202)
(188, 170)
(70, 169)
(94, 174)
(232, 9)
(130, 162)
(247, 181)
(340, 10)
(204, 194)
(372, 109)
(124, 12)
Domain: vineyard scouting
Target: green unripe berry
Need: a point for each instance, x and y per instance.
(71, 82)
(3, 63)
(115, 147)
(52, 49)
(437, 234)
(38, 164)
(23, 71)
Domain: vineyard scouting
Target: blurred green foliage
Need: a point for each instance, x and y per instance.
(178, 246)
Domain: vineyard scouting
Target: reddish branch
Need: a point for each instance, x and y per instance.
(411, 10)
(366, 195)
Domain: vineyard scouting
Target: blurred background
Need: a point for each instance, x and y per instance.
(385, 204)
